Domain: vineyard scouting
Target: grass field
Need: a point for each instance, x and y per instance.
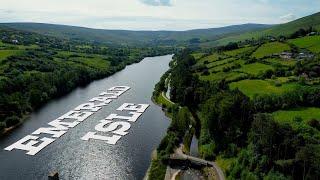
(232, 76)
(198, 55)
(306, 113)
(69, 53)
(5, 46)
(240, 51)
(269, 49)
(222, 75)
(6, 53)
(254, 68)
(210, 58)
(7, 50)
(220, 67)
(163, 100)
(311, 43)
(95, 62)
(218, 63)
(261, 87)
(275, 61)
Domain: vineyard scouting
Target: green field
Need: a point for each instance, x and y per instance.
(95, 62)
(254, 68)
(163, 100)
(7, 50)
(275, 61)
(221, 62)
(240, 51)
(311, 43)
(6, 53)
(261, 87)
(210, 58)
(220, 67)
(5, 46)
(306, 113)
(229, 76)
(270, 48)
(92, 60)
(198, 55)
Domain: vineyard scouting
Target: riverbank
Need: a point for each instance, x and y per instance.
(155, 166)
(8, 130)
(181, 130)
(94, 159)
(213, 172)
(26, 115)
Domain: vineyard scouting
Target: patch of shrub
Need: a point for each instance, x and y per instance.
(11, 121)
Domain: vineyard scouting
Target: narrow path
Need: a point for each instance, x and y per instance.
(164, 96)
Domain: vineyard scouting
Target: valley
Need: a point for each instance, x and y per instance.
(234, 102)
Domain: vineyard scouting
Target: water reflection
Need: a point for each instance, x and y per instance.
(77, 159)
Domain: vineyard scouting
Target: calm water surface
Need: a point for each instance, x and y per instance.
(77, 159)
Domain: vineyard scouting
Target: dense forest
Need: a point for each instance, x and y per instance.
(256, 105)
(36, 68)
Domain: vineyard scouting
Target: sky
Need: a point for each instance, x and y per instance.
(155, 14)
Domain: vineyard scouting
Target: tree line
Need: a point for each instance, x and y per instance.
(234, 125)
(32, 78)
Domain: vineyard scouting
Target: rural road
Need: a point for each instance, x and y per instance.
(164, 95)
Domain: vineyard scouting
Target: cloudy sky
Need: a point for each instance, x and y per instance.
(155, 14)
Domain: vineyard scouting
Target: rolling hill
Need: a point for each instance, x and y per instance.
(282, 29)
(132, 37)
(207, 37)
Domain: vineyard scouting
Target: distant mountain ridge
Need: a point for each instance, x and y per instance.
(277, 30)
(207, 37)
(132, 37)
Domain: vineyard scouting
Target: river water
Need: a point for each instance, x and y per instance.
(74, 158)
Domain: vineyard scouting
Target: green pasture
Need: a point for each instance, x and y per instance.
(229, 76)
(198, 55)
(270, 48)
(311, 43)
(221, 62)
(306, 113)
(240, 51)
(254, 68)
(6, 53)
(261, 87)
(280, 61)
(211, 58)
(95, 62)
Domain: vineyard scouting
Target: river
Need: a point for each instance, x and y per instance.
(74, 158)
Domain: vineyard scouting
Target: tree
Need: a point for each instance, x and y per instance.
(2, 126)
(309, 159)
(12, 120)
(263, 134)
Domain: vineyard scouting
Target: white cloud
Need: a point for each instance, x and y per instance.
(157, 2)
(288, 17)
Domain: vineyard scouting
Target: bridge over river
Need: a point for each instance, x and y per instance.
(180, 159)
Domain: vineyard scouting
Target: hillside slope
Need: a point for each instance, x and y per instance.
(132, 37)
(282, 29)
